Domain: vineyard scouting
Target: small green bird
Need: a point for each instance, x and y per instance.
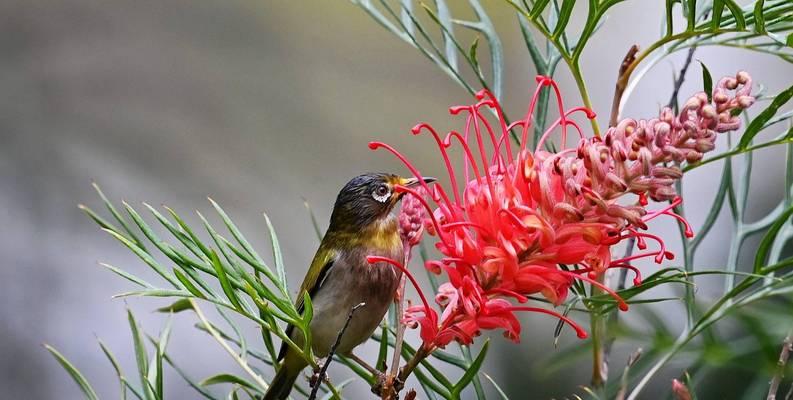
(339, 278)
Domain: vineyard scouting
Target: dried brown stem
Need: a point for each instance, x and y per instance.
(681, 77)
(784, 355)
(622, 83)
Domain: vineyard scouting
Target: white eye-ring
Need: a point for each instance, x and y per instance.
(382, 193)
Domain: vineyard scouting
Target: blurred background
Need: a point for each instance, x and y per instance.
(257, 104)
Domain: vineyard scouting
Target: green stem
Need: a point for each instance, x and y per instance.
(579, 81)
(599, 373)
(788, 139)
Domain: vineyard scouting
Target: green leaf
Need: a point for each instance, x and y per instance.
(691, 14)
(789, 40)
(141, 359)
(228, 378)
(718, 9)
(279, 258)
(497, 387)
(117, 215)
(707, 81)
(308, 309)
(231, 294)
(177, 306)
(768, 240)
(472, 52)
(126, 275)
(162, 344)
(564, 17)
(383, 351)
(471, 372)
(236, 232)
(122, 381)
(536, 11)
(761, 119)
(759, 19)
(78, 377)
(669, 17)
(737, 13)
(313, 217)
(143, 255)
(188, 285)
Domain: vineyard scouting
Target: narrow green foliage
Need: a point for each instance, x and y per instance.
(231, 294)
(759, 122)
(279, 259)
(472, 371)
(314, 222)
(229, 378)
(768, 240)
(707, 81)
(759, 18)
(78, 377)
(141, 359)
(382, 353)
(564, 17)
(119, 373)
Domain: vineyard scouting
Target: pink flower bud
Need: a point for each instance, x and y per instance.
(680, 390)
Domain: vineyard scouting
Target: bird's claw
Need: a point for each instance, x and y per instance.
(314, 379)
(384, 380)
(379, 384)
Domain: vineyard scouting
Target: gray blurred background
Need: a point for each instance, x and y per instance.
(257, 104)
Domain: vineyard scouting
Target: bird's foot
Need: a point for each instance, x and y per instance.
(383, 381)
(380, 382)
(314, 379)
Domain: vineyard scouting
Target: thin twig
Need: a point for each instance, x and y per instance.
(624, 381)
(324, 369)
(787, 347)
(681, 76)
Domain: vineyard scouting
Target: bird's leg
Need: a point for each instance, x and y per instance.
(372, 370)
(379, 375)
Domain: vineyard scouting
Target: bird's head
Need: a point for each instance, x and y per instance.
(367, 199)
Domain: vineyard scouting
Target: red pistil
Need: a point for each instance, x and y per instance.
(580, 332)
(377, 259)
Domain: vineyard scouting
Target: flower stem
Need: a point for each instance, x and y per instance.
(599, 360)
(389, 390)
(579, 81)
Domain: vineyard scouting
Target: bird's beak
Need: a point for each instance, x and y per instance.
(411, 182)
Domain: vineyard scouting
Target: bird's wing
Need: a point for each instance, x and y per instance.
(320, 266)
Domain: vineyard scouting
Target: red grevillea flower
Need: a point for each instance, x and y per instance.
(519, 221)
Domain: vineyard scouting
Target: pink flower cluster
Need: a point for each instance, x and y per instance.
(525, 222)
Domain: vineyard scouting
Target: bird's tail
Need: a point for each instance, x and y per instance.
(285, 378)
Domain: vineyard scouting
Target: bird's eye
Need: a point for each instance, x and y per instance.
(381, 193)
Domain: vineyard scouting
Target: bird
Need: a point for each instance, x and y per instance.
(340, 277)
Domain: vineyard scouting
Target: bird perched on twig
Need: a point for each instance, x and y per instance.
(340, 277)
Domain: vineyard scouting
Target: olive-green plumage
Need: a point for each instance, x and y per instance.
(340, 277)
